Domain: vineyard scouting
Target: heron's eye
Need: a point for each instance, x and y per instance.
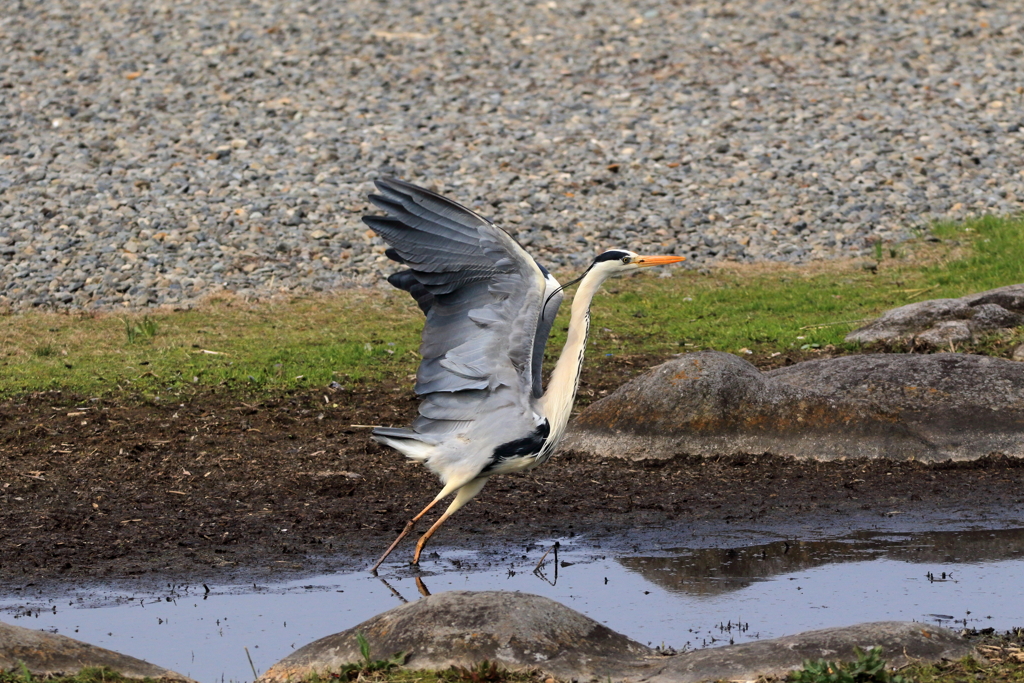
(625, 259)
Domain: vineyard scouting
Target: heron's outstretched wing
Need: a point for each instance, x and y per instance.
(405, 280)
(483, 296)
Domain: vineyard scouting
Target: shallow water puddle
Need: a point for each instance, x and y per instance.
(685, 597)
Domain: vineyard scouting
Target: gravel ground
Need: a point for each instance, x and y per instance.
(156, 152)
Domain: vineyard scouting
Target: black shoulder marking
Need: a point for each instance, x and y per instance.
(612, 255)
(528, 445)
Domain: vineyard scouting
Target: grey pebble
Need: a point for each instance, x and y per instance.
(153, 152)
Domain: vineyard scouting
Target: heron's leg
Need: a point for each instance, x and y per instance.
(464, 495)
(405, 532)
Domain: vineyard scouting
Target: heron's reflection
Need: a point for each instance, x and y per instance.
(538, 571)
(393, 591)
(420, 586)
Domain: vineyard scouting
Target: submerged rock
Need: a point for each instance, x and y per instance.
(529, 632)
(939, 322)
(48, 654)
(899, 406)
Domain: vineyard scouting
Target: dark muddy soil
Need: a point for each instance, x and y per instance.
(215, 486)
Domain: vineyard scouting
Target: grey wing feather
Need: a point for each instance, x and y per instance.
(486, 295)
(405, 280)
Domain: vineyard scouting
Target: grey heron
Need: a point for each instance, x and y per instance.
(489, 307)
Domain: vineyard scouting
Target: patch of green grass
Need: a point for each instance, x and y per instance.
(140, 330)
(996, 257)
(868, 668)
(86, 675)
(768, 307)
(225, 344)
(351, 672)
(372, 336)
(966, 669)
(484, 672)
(45, 351)
(370, 669)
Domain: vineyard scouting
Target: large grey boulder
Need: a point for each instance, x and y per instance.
(527, 632)
(898, 406)
(939, 322)
(463, 628)
(48, 654)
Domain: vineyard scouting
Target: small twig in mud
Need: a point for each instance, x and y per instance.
(545, 555)
(999, 654)
(251, 665)
(541, 561)
(911, 293)
(838, 322)
(366, 426)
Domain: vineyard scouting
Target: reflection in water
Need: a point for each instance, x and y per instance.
(695, 598)
(713, 571)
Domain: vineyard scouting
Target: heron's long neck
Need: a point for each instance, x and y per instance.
(565, 378)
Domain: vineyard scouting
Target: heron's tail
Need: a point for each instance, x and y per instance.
(405, 441)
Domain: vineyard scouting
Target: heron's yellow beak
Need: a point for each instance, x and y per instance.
(647, 261)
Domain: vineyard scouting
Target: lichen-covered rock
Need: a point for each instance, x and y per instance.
(945, 334)
(993, 316)
(902, 643)
(49, 654)
(954, 389)
(463, 628)
(712, 403)
(906, 321)
(938, 321)
(898, 406)
(1010, 297)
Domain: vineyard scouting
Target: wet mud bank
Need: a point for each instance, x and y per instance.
(217, 488)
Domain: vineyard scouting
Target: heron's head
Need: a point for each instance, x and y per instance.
(620, 261)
